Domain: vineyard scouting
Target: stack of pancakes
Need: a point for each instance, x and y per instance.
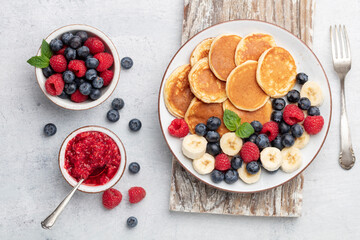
(230, 72)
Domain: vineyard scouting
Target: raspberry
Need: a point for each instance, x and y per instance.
(95, 45)
(54, 85)
(136, 194)
(313, 124)
(78, 67)
(78, 97)
(292, 114)
(61, 51)
(111, 198)
(107, 76)
(58, 63)
(271, 129)
(222, 162)
(105, 61)
(178, 128)
(249, 152)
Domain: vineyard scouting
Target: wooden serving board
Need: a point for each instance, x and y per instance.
(188, 194)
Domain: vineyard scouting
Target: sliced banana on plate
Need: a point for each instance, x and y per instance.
(271, 158)
(302, 141)
(194, 146)
(205, 164)
(291, 159)
(247, 177)
(313, 92)
(230, 143)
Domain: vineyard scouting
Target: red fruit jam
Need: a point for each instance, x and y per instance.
(93, 156)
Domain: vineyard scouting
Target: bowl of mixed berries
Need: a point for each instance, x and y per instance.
(77, 67)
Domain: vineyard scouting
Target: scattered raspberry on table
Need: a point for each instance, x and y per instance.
(136, 194)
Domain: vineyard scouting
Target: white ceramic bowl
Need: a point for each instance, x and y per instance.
(84, 187)
(106, 91)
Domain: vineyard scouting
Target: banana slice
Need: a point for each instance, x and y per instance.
(205, 164)
(313, 92)
(230, 144)
(292, 159)
(271, 158)
(247, 177)
(302, 141)
(194, 146)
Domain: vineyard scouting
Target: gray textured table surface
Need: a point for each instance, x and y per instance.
(148, 31)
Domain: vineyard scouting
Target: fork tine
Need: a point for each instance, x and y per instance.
(348, 52)
(333, 48)
(342, 40)
(338, 47)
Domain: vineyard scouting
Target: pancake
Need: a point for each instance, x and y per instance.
(199, 112)
(222, 55)
(242, 88)
(262, 115)
(205, 85)
(252, 46)
(177, 92)
(276, 72)
(201, 51)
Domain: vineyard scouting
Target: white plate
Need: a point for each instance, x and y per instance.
(306, 61)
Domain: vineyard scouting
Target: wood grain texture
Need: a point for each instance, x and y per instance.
(187, 193)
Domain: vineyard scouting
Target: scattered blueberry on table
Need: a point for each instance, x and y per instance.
(134, 167)
(134, 125)
(113, 115)
(132, 222)
(50, 129)
(127, 62)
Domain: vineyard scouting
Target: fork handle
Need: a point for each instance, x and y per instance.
(347, 157)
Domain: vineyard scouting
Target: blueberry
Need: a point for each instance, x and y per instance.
(236, 162)
(256, 125)
(83, 51)
(126, 63)
(313, 111)
(68, 76)
(284, 127)
(50, 129)
(75, 42)
(83, 36)
(47, 71)
(276, 116)
(213, 123)
(252, 138)
(135, 125)
(262, 141)
(134, 167)
(217, 176)
(287, 140)
(200, 129)
(113, 115)
(85, 88)
(302, 78)
(70, 53)
(91, 63)
(296, 130)
(63, 95)
(213, 149)
(98, 82)
(66, 37)
(95, 94)
(79, 81)
(91, 74)
(132, 222)
(56, 45)
(117, 103)
(253, 167)
(304, 103)
(231, 176)
(212, 136)
(293, 96)
(277, 143)
(278, 104)
(70, 88)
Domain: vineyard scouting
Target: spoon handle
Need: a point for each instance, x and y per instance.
(51, 219)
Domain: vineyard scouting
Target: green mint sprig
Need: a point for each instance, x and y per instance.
(233, 122)
(43, 60)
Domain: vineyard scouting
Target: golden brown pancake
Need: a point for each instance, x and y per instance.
(205, 85)
(200, 112)
(177, 92)
(252, 46)
(201, 51)
(222, 55)
(242, 88)
(262, 115)
(276, 72)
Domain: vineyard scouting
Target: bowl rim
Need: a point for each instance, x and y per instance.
(116, 62)
(99, 129)
(210, 184)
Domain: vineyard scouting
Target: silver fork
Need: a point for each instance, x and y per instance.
(341, 55)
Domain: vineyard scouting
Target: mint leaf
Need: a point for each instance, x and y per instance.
(231, 120)
(39, 61)
(45, 49)
(244, 130)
